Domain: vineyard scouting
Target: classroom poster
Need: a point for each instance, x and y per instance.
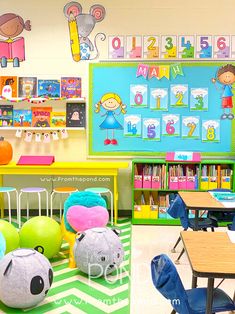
(186, 48)
(138, 95)
(132, 125)
(170, 125)
(151, 129)
(190, 127)
(204, 47)
(222, 46)
(211, 131)
(151, 47)
(179, 96)
(199, 99)
(116, 47)
(159, 99)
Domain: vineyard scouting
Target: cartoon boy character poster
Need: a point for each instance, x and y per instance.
(226, 77)
(111, 103)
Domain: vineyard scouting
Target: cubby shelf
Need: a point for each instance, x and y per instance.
(151, 192)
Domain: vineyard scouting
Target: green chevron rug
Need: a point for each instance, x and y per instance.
(73, 292)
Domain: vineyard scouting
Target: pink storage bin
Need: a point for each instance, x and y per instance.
(147, 182)
(173, 183)
(138, 182)
(190, 183)
(156, 184)
(182, 183)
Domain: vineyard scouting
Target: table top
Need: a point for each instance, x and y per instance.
(201, 200)
(211, 254)
(87, 167)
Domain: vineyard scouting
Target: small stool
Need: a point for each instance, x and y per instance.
(29, 191)
(103, 191)
(8, 190)
(61, 191)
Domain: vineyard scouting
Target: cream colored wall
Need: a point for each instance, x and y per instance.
(48, 53)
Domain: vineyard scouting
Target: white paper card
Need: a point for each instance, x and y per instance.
(28, 137)
(19, 133)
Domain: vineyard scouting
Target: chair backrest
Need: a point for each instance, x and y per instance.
(177, 209)
(167, 281)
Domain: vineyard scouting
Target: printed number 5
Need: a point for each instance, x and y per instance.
(204, 43)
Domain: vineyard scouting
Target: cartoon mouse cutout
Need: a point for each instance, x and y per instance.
(80, 27)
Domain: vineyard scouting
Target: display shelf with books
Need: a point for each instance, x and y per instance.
(42, 113)
(156, 181)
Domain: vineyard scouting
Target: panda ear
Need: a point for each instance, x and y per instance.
(8, 268)
(117, 231)
(80, 237)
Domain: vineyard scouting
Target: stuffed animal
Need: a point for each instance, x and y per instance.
(82, 211)
(98, 251)
(25, 278)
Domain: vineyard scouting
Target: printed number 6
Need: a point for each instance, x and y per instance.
(169, 127)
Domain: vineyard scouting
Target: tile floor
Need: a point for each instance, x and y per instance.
(148, 241)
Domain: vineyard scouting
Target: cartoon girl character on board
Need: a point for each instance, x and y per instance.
(226, 76)
(110, 102)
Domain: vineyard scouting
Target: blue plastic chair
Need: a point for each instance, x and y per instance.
(178, 209)
(193, 301)
(232, 226)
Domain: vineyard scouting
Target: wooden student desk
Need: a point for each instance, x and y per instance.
(72, 169)
(211, 255)
(202, 201)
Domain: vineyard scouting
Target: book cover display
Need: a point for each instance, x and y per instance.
(6, 115)
(8, 86)
(75, 115)
(22, 118)
(70, 87)
(49, 88)
(27, 87)
(58, 119)
(41, 116)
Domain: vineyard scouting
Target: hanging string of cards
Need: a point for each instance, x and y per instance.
(172, 47)
(41, 136)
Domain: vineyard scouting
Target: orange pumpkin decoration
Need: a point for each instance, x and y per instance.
(6, 152)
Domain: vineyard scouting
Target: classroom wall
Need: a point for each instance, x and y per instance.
(48, 55)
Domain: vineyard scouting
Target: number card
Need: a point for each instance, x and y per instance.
(179, 96)
(170, 124)
(204, 47)
(169, 47)
(132, 125)
(133, 47)
(190, 127)
(232, 46)
(186, 46)
(221, 47)
(151, 47)
(211, 131)
(151, 129)
(116, 47)
(159, 99)
(199, 99)
(138, 95)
